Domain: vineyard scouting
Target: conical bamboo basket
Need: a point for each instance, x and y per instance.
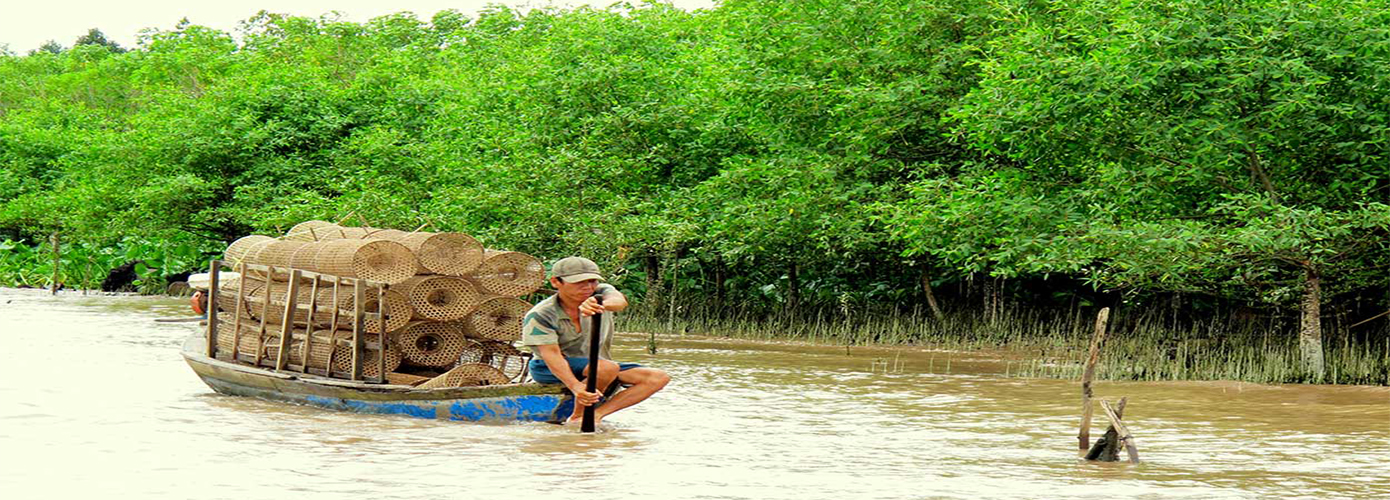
(376, 260)
(497, 318)
(468, 375)
(243, 248)
(509, 273)
(500, 355)
(433, 344)
(278, 254)
(398, 311)
(440, 297)
(342, 356)
(305, 231)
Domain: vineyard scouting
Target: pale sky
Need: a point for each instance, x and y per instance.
(26, 24)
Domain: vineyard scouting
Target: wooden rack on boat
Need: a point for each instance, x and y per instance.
(360, 347)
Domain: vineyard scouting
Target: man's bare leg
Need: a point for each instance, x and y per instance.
(607, 372)
(645, 382)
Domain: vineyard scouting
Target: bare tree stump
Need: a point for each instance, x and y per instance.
(1124, 437)
(1107, 448)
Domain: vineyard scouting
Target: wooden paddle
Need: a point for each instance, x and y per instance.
(591, 385)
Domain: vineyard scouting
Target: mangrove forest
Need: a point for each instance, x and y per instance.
(958, 173)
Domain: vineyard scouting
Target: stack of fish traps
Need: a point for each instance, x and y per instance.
(451, 308)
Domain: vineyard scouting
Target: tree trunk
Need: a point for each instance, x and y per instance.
(793, 287)
(931, 297)
(719, 284)
(652, 265)
(57, 260)
(1310, 328)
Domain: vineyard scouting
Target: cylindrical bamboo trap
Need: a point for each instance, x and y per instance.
(450, 254)
(250, 342)
(397, 310)
(376, 260)
(440, 297)
(509, 273)
(328, 233)
(467, 375)
(278, 294)
(227, 294)
(500, 355)
(497, 318)
(342, 356)
(433, 344)
(321, 349)
(305, 231)
(243, 248)
(357, 233)
(303, 257)
(278, 254)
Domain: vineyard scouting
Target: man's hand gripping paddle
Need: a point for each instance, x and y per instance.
(591, 385)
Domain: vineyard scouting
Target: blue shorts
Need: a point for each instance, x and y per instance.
(540, 372)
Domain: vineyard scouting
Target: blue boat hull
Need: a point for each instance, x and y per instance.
(505, 403)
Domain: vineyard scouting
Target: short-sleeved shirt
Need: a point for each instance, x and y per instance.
(547, 324)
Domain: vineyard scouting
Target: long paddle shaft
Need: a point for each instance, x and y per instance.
(591, 385)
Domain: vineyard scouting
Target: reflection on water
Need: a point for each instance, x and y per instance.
(97, 401)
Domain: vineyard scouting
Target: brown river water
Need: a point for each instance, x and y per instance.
(96, 402)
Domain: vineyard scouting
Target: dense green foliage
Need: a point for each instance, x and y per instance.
(812, 155)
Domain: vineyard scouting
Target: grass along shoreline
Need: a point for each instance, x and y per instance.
(1055, 346)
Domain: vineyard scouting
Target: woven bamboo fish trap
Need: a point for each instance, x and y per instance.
(275, 312)
(500, 355)
(450, 254)
(342, 356)
(497, 318)
(305, 231)
(321, 350)
(357, 233)
(328, 233)
(303, 257)
(244, 248)
(248, 344)
(468, 375)
(376, 260)
(434, 344)
(278, 254)
(440, 297)
(228, 290)
(397, 310)
(509, 273)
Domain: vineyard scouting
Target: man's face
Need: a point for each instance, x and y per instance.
(576, 292)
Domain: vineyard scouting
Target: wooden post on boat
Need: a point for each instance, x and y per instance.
(57, 259)
(287, 325)
(265, 313)
(359, 296)
(1087, 410)
(237, 313)
(212, 308)
(381, 331)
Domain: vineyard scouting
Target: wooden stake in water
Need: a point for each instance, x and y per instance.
(1087, 410)
(57, 255)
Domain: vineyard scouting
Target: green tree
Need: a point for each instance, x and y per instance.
(1260, 122)
(96, 37)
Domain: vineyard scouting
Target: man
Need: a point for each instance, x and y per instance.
(558, 328)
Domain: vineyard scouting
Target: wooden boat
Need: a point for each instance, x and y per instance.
(279, 379)
(511, 402)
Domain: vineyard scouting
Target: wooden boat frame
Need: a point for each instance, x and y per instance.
(279, 380)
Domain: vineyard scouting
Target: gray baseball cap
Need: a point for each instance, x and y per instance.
(575, 269)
